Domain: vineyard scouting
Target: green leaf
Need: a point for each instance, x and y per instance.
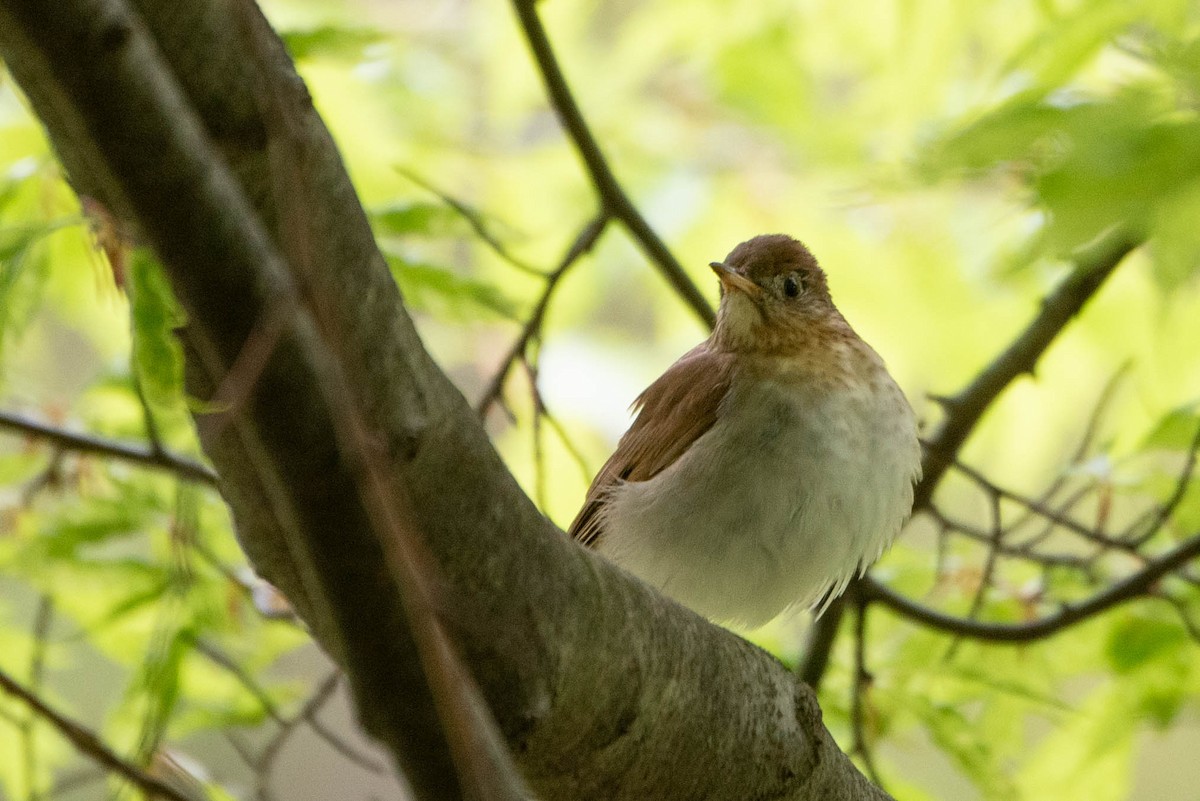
(91, 524)
(1137, 640)
(1176, 238)
(157, 355)
(961, 740)
(1059, 50)
(1175, 431)
(329, 41)
(429, 287)
(1090, 162)
(1089, 756)
(407, 219)
(23, 272)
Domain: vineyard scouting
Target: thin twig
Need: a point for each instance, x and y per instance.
(539, 446)
(862, 682)
(222, 660)
(37, 664)
(989, 571)
(150, 457)
(821, 637)
(265, 762)
(1021, 552)
(1085, 443)
(90, 745)
(1185, 615)
(1135, 585)
(1052, 515)
(572, 449)
(474, 219)
(612, 195)
(1158, 516)
(582, 243)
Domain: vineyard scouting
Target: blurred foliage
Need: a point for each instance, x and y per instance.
(941, 159)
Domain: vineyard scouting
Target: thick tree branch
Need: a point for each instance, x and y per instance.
(602, 688)
(194, 213)
(612, 195)
(146, 456)
(1136, 585)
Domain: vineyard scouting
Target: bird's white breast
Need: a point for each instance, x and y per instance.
(796, 488)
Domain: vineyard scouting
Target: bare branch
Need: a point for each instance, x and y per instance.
(612, 196)
(90, 745)
(151, 457)
(1136, 585)
(1024, 551)
(964, 410)
(1085, 442)
(1147, 526)
(1054, 516)
(858, 692)
(582, 243)
(996, 540)
(821, 638)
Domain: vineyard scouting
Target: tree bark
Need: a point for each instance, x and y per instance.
(177, 117)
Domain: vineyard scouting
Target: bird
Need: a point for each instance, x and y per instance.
(769, 465)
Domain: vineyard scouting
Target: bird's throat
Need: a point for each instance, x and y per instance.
(739, 323)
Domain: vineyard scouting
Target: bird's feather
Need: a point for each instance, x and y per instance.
(673, 413)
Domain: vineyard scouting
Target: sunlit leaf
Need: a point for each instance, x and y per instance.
(1137, 640)
(406, 219)
(23, 270)
(430, 287)
(329, 41)
(1175, 431)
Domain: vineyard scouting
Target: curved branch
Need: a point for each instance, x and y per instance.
(1136, 585)
(963, 411)
(613, 197)
(145, 456)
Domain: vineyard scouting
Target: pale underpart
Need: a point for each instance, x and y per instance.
(778, 503)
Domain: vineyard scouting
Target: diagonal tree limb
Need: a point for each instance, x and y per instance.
(195, 215)
(612, 195)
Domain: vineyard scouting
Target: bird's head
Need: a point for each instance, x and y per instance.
(773, 292)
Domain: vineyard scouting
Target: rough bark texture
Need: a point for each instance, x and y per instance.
(602, 688)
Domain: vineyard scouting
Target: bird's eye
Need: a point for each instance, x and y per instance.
(791, 287)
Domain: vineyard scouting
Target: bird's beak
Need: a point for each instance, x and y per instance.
(732, 280)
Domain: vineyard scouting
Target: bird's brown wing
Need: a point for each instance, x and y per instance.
(673, 413)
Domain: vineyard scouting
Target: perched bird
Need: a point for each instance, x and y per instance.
(768, 466)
